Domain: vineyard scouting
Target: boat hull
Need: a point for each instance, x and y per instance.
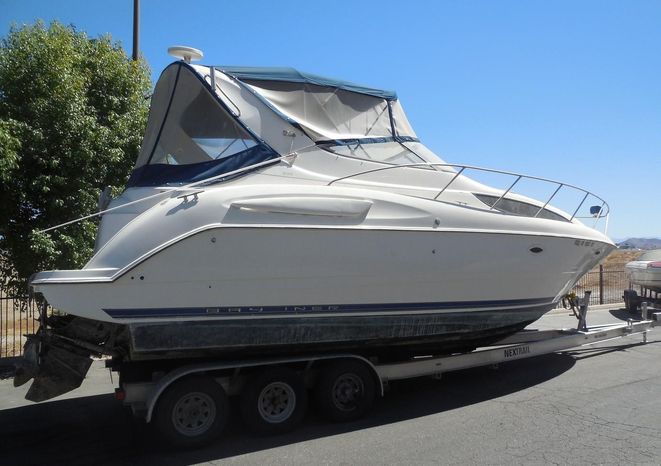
(396, 336)
(261, 290)
(241, 269)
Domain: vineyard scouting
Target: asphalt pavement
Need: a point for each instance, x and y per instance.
(598, 405)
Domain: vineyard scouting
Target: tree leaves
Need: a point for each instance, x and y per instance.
(72, 115)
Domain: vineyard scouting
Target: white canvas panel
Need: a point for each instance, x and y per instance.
(159, 105)
(402, 125)
(251, 110)
(328, 113)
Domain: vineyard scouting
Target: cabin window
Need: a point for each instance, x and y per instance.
(392, 153)
(514, 207)
(196, 128)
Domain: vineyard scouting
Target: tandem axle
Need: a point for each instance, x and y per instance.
(189, 403)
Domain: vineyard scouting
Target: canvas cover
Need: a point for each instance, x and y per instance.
(204, 122)
(291, 75)
(191, 135)
(325, 108)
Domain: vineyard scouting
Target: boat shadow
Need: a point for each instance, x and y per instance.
(623, 314)
(96, 430)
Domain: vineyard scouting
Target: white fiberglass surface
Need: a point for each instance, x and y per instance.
(523, 195)
(282, 267)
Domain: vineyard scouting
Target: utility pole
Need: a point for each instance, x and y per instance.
(136, 30)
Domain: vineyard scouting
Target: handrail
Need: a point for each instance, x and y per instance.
(519, 177)
(549, 199)
(174, 190)
(493, 206)
(446, 186)
(287, 157)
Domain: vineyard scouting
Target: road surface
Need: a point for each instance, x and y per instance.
(590, 406)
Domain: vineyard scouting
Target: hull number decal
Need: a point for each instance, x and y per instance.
(583, 242)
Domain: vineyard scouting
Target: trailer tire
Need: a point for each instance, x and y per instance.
(274, 401)
(631, 300)
(345, 391)
(192, 412)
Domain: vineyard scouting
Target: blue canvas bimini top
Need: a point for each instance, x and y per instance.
(292, 75)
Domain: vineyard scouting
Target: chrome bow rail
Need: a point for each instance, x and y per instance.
(597, 212)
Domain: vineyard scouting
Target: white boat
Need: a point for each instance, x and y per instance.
(277, 211)
(646, 271)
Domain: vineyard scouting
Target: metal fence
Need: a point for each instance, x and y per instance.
(607, 286)
(18, 317)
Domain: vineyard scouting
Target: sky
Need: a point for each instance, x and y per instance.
(567, 90)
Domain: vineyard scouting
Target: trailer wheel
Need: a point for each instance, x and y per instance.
(631, 300)
(345, 391)
(192, 412)
(274, 401)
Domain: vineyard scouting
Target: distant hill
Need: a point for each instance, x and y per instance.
(640, 243)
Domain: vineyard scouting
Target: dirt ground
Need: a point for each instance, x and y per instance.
(618, 258)
(614, 278)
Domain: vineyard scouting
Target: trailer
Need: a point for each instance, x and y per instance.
(188, 403)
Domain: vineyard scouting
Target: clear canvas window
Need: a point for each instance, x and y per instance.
(187, 125)
(390, 152)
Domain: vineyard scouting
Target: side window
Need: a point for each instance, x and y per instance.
(197, 129)
(515, 207)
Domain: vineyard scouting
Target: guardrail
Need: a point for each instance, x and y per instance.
(596, 212)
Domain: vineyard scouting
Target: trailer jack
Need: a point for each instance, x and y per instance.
(582, 315)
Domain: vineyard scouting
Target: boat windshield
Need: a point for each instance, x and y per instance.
(190, 135)
(393, 153)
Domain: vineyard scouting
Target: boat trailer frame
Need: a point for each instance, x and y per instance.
(143, 397)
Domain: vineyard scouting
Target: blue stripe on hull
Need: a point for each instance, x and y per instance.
(223, 311)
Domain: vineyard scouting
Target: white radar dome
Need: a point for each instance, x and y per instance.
(187, 54)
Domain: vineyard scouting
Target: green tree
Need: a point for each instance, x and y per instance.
(72, 113)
